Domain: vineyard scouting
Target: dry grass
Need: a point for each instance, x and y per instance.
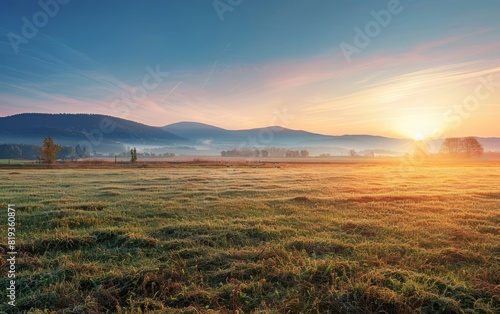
(340, 238)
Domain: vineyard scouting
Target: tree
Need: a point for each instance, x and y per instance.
(472, 147)
(462, 146)
(304, 153)
(49, 150)
(19, 151)
(81, 151)
(353, 153)
(133, 155)
(67, 152)
(451, 146)
(292, 153)
(265, 153)
(8, 151)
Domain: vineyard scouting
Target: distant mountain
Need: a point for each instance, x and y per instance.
(69, 129)
(111, 134)
(201, 132)
(264, 136)
(277, 136)
(280, 137)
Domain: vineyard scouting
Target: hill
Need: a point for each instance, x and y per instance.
(280, 137)
(70, 129)
(277, 136)
(201, 132)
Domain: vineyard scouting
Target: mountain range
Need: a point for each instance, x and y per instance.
(104, 133)
(112, 134)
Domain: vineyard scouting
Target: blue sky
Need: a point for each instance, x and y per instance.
(260, 60)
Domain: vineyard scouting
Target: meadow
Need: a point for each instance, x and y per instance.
(359, 237)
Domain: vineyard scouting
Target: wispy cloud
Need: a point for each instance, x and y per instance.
(394, 89)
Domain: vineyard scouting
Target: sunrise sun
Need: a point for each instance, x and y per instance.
(418, 136)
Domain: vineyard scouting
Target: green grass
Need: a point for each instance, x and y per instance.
(339, 238)
(14, 161)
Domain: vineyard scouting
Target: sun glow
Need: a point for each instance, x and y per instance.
(420, 126)
(418, 136)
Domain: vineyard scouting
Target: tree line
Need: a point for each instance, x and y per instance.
(49, 152)
(269, 152)
(33, 152)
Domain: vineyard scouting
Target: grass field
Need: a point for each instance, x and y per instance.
(328, 238)
(15, 161)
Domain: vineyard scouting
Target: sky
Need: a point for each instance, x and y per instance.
(406, 69)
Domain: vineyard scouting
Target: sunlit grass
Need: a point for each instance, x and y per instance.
(346, 238)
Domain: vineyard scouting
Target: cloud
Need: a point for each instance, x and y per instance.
(400, 87)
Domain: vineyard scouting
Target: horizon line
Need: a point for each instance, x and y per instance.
(255, 128)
